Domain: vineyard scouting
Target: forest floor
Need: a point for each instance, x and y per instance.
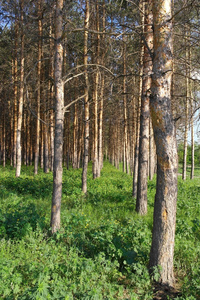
(102, 249)
(162, 292)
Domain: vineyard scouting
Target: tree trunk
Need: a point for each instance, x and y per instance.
(4, 136)
(86, 102)
(21, 97)
(38, 88)
(59, 121)
(135, 168)
(162, 248)
(151, 152)
(15, 95)
(126, 153)
(186, 110)
(75, 137)
(51, 97)
(46, 140)
(141, 202)
(102, 95)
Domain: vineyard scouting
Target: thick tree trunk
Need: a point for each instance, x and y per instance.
(59, 122)
(86, 103)
(141, 202)
(162, 248)
(21, 97)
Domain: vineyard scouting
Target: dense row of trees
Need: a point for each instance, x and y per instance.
(79, 79)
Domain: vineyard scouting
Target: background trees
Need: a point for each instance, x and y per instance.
(101, 54)
(114, 72)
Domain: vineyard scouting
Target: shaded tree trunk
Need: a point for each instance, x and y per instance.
(162, 248)
(141, 202)
(135, 168)
(15, 94)
(59, 121)
(38, 87)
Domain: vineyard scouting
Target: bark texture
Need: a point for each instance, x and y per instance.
(59, 122)
(86, 103)
(162, 249)
(39, 66)
(136, 159)
(21, 98)
(141, 203)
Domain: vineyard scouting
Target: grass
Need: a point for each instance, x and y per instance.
(102, 249)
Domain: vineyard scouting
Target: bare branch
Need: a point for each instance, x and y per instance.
(74, 101)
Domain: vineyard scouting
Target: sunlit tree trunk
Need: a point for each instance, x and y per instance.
(192, 142)
(126, 152)
(191, 106)
(162, 248)
(141, 202)
(151, 152)
(80, 148)
(102, 95)
(24, 135)
(86, 102)
(42, 142)
(75, 137)
(59, 121)
(96, 94)
(10, 112)
(46, 140)
(186, 108)
(21, 96)
(51, 96)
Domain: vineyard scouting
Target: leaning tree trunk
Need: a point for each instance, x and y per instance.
(162, 248)
(141, 202)
(59, 122)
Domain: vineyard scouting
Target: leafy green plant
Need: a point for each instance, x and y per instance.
(102, 248)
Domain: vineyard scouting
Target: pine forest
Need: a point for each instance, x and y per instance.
(99, 149)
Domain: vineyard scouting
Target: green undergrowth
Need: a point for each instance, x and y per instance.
(102, 248)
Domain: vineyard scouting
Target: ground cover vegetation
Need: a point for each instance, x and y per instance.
(102, 249)
(82, 81)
